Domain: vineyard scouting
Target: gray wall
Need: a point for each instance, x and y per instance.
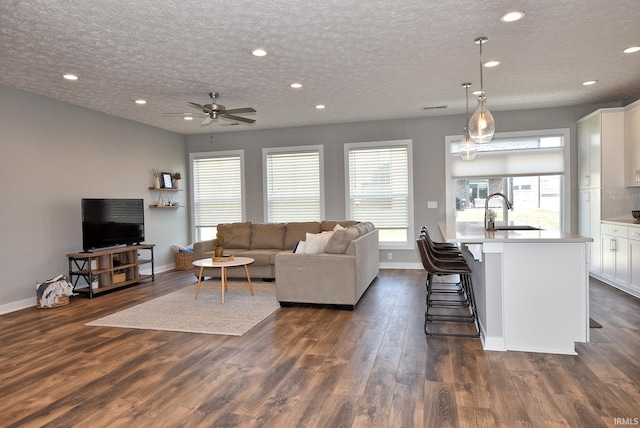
(428, 136)
(52, 155)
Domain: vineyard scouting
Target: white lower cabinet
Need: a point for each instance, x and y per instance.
(634, 261)
(620, 256)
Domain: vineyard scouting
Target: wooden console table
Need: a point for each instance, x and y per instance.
(115, 268)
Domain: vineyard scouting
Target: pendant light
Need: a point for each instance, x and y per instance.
(469, 149)
(482, 126)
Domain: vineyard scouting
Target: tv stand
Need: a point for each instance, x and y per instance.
(115, 268)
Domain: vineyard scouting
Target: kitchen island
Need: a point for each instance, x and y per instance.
(531, 286)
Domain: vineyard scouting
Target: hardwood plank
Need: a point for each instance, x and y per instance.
(309, 366)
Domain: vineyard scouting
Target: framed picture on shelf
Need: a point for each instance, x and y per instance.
(166, 180)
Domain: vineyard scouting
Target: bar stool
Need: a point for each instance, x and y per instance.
(460, 309)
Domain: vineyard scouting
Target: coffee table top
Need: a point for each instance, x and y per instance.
(237, 261)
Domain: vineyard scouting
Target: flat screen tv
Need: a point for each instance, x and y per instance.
(111, 222)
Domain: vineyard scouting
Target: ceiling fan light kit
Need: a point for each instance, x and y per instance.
(482, 125)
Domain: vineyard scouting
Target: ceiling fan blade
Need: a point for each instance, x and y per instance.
(237, 118)
(207, 120)
(182, 114)
(200, 107)
(240, 110)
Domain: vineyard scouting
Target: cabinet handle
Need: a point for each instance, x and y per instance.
(612, 244)
(635, 233)
(637, 176)
(587, 179)
(613, 230)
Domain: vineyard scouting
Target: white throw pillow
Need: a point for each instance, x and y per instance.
(338, 227)
(316, 242)
(299, 247)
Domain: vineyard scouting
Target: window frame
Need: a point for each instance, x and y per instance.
(565, 198)
(319, 148)
(409, 244)
(208, 155)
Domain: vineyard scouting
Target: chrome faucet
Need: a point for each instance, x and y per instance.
(486, 205)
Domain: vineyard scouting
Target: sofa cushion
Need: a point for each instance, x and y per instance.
(315, 243)
(269, 235)
(239, 234)
(340, 240)
(297, 231)
(262, 257)
(331, 224)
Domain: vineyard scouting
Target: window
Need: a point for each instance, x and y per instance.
(528, 167)
(293, 184)
(379, 189)
(218, 191)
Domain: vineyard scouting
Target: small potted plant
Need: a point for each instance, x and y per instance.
(174, 179)
(491, 220)
(219, 242)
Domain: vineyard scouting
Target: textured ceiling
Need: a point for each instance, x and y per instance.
(366, 60)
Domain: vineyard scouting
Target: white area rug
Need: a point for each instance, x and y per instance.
(180, 311)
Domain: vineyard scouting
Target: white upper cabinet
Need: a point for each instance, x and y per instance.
(632, 145)
(600, 149)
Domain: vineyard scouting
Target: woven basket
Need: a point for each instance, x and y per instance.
(62, 301)
(184, 261)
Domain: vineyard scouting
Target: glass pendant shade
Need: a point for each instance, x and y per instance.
(468, 149)
(482, 126)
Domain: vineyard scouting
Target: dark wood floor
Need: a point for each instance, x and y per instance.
(309, 367)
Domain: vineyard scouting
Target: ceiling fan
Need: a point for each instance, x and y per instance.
(213, 111)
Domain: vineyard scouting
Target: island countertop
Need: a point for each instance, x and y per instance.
(475, 233)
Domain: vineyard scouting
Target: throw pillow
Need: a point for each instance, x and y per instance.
(299, 247)
(340, 240)
(317, 242)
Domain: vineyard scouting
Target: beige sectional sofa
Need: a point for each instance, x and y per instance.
(338, 275)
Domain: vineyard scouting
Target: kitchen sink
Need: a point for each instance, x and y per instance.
(518, 227)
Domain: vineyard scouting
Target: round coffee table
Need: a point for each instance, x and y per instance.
(209, 263)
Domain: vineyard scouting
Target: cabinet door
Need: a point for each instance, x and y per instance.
(615, 259)
(632, 146)
(583, 155)
(589, 224)
(622, 261)
(634, 266)
(608, 256)
(595, 157)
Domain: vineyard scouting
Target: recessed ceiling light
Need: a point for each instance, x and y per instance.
(188, 118)
(259, 52)
(589, 82)
(296, 85)
(632, 49)
(141, 102)
(512, 16)
(321, 106)
(70, 76)
(491, 63)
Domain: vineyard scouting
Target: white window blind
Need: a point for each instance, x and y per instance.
(293, 184)
(379, 188)
(217, 190)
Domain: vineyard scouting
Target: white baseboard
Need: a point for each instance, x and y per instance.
(400, 266)
(16, 306)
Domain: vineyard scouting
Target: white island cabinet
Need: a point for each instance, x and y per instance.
(531, 286)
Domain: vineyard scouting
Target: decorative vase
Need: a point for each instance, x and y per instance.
(219, 252)
(157, 183)
(491, 225)
(174, 184)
